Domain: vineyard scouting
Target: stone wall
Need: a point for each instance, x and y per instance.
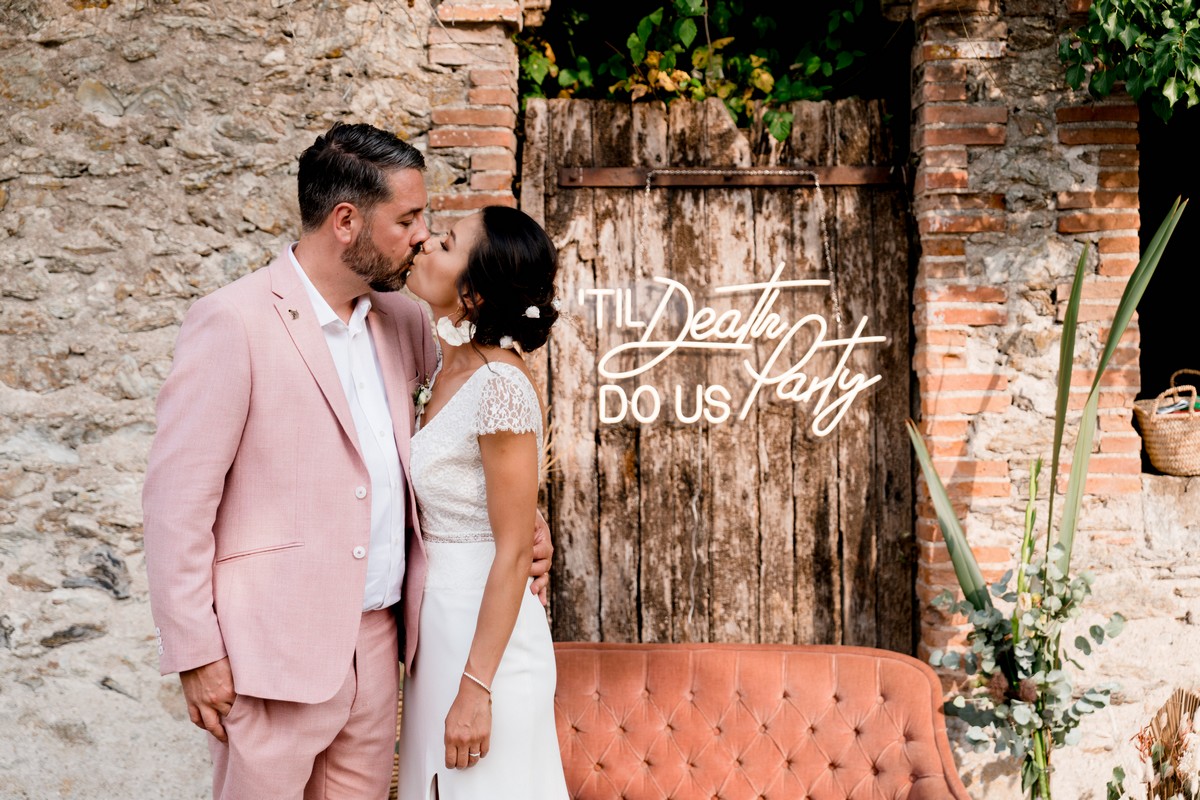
(147, 156)
(1016, 175)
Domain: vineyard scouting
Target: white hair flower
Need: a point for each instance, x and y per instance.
(533, 312)
(455, 335)
(506, 342)
(557, 304)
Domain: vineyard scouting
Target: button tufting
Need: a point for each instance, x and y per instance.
(837, 699)
(874, 770)
(597, 768)
(812, 729)
(832, 766)
(762, 728)
(857, 732)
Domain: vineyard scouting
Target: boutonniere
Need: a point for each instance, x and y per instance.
(422, 395)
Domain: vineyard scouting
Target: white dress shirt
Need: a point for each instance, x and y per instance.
(357, 364)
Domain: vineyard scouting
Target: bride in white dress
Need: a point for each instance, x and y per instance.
(479, 704)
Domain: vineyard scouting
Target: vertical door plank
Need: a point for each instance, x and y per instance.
(893, 453)
(569, 217)
(617, 455)
(818, 605)
(733, 475)
(858, 506)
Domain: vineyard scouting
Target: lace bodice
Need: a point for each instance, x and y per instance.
(447, 470)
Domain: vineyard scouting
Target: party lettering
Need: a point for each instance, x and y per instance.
(678, 324)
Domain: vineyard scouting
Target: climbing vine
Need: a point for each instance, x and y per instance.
(697, 49)
(1153, 46)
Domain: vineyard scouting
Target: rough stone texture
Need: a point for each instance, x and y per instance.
(147, 156)
(1138, 534)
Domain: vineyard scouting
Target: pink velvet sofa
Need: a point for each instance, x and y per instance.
(750, 722)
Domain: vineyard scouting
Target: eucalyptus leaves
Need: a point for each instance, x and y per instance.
(1024, 701)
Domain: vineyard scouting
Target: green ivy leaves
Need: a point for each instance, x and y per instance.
(684, 49)
(1151, 45)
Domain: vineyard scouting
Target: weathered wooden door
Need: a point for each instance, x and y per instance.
(691, 498)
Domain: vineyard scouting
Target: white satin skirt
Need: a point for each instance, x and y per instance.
(524, 761)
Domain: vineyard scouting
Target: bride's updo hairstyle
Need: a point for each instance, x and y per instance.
(508, 285)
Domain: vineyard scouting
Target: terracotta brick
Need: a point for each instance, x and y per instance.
(1120, 157)
(1084, 222)
(1109, 398)
(960, 49)
(481, 34)
(945, 157)
(1113, 484)
(480, 12)
(492, 77)
(1097, 200)
(943, 337)
(1093, 289)
(974, 134)
(943, 72)
(482, 117)
(943, 92)
(1111, 464)
(962, 223)
(960, 470)
(494, 162)
(459, 55)
(923, 8)
(943, 269)
(963, 382)
(961, 202)
(1117, 179)
(1120, 244)
(1101, 135)
(943, 246)
(472, 137)
(963, 294)
(491, 181)
(965, 404)
(927, 361)
(1120, 443)
(1097, 113)
(1119, 419)
(984, 488)
(489, 96)
(960, 114)
(948, 448)
(1124, 376)
(470, 200)
(969, 316)
(1095, 311)
(1114, 267)
(940, 179)
(952, 428)
(1078, 6)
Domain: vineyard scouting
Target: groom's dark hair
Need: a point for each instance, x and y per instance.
(349, 164)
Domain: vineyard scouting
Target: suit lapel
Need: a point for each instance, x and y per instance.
(296, 312)
(397, 365)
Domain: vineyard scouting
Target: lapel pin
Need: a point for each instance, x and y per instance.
(295, 314)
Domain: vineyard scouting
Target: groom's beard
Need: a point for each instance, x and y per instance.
(367, 262)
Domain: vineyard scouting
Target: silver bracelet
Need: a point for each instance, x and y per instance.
(471, 677)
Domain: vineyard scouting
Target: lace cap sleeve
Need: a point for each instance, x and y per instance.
(508, 402)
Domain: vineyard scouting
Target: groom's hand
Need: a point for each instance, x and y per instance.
(543, 553)
(210, 695)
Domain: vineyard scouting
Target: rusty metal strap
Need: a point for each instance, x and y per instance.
(699, 177)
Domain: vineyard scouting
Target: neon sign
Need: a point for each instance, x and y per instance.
(678, 325)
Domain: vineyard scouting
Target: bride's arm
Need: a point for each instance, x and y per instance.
(510, 468)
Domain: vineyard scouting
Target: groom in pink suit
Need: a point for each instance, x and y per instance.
(281, 530)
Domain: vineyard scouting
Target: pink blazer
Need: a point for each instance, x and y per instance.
(255, 496)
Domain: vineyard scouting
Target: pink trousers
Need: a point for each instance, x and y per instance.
(340, 749)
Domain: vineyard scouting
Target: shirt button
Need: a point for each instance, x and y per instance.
(360, 492)
(360, 551)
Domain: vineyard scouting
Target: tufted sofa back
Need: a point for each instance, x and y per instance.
(750, 722)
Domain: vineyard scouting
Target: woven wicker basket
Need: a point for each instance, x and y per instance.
(1172, 440)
